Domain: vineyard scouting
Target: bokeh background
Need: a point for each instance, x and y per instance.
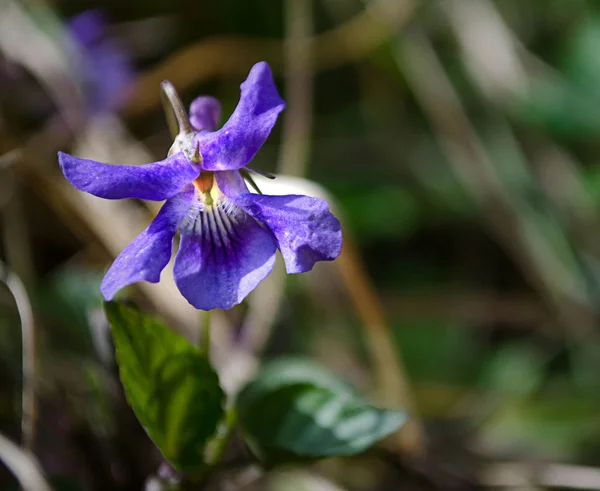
(457, 141)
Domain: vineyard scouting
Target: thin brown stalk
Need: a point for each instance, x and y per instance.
(298, 88)
(467, 156)
(28, 334)
(294, 154)
(391, 378)
(525, 475)
(502, 68)
(345, 43)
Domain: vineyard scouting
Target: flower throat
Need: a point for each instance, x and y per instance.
(204, 184)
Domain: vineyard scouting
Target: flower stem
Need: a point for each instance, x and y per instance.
(174, 108)
(204, 337)
(218, 445)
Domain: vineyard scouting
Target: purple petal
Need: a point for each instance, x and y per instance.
(156, 181)
(223, 256)
(304, 229)
(236, 143)
(205, 113)
(88, 27)
(148, 254)
(106, 67)
(111, 74)
(231, 183)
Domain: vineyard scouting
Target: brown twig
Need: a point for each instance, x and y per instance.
(479, 308)
(502, 68)
(298, 89)
(29, 356)
(16, 235)
(234, 55)
(539, 263)
(113, 224)
(391, 379)
(546, 475)
(44, 52)
(293, 155)
(490, 52)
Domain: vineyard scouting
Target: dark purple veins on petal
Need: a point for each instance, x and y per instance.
(222, 257)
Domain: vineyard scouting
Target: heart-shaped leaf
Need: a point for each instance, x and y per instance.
(296, 410)
(169, 383)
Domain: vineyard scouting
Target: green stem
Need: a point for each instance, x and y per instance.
(204, 338)
(213, 453)
(216, 448)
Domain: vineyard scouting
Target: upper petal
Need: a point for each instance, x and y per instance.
(156, 181)
(305, 230)
(236, 143)
(148, 254)
(205, 113)
(223, 255)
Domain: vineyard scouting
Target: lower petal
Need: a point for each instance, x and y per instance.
(223, 255)
(148, 254)
(304, 228)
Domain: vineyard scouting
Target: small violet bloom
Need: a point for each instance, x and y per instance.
(229, 236)
(105, 66)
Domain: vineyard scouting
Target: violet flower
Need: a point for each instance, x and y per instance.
(229, 236)
(105, 66)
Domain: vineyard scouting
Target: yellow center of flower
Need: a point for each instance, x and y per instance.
(207, 188)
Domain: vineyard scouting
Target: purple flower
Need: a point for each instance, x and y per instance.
(229, 236)
(106, 68)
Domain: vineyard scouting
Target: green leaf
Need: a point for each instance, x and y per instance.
(169, 383)
(293, 370)
(297, 410)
